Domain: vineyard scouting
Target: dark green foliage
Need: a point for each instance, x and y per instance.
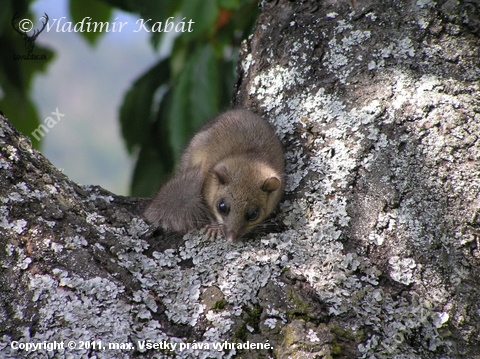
(16, 75)
(195, 96)
(171, 100)
(136, 116)
(98, 11)
(191, 85)
(174, 98)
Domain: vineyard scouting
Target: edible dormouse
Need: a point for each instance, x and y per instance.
(230, 179)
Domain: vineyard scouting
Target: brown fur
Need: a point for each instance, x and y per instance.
(179, 206)
(236, 158)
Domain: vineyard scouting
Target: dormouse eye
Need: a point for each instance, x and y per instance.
(252, 214)
(223, 208)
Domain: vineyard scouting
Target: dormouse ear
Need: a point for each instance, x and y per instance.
(271, 184)
(221, 173)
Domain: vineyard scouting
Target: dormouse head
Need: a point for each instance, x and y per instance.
(241, 193)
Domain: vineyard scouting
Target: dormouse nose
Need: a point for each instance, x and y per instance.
(231, 236)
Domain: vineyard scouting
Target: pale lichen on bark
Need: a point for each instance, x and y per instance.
(381, 152)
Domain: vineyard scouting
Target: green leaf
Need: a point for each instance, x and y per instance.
(179, 115)
(204, 91)
(11, 74)
(160, 138)
(158, 10)
(195, 97)
(239, 26)
(229, 4)
(178, 58)
(155, 161)
(34, 67)
(136, 112)
(227, 69)
(148, 173)
(203, 13)
(21, 111)
(19, 73)
(92, 11)
(15, 80)
(8, 8)
(5, 16)
(182, 111)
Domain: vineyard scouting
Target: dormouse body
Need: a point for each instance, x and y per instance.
(232, 171)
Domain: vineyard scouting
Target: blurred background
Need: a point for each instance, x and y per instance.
(130, 99)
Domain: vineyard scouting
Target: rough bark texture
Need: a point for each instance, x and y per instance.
(378, 107)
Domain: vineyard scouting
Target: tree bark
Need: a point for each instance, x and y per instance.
(375, 251)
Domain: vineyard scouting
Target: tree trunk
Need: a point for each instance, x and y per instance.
(375, 253)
